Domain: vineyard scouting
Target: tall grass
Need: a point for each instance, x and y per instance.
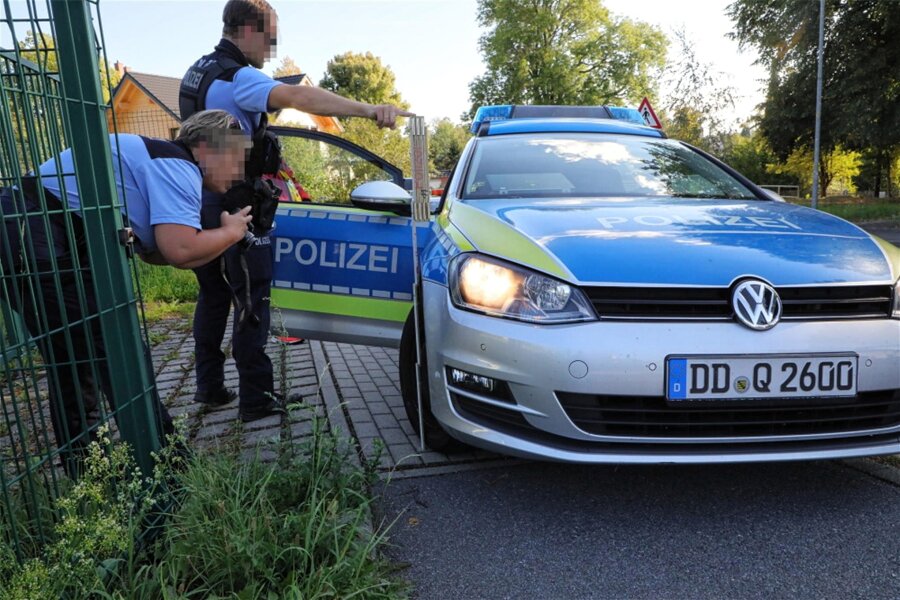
(166, 284)
(297, 528)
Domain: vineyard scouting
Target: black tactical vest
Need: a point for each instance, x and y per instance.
(222, 64)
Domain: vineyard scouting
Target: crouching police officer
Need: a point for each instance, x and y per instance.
(229, 79)
(44, 260)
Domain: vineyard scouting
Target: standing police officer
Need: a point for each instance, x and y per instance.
(43, 261)
(229, 79)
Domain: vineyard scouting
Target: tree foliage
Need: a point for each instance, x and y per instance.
(861, 85)
(365, 78)
(563, 52)
(362, 77)
(749, 154)
(41, 50)
(287, 68)
(838, 169)
(446, 144)
(696, 100)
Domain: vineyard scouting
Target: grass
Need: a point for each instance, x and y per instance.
(297, 528)
(166, 284)
(860, 210)
(168, 292)
(161, 311)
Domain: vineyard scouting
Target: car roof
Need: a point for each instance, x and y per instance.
(567, 125)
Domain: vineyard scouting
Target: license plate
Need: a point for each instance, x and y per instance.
(749, 377)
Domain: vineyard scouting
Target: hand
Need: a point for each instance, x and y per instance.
(237, 222)
(385, 115)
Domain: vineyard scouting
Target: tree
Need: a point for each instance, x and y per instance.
(861, 91)
(837, 170)
(41, 50)
(287, 68)
(749, 154)
(42, 65)
(446, 144)
(563, 52)
(696, 100)
(363, 77)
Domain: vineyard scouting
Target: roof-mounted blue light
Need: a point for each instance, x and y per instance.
(506, 112)
(491, 113)
(622, 113)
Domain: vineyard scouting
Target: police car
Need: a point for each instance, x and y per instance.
(594, 292)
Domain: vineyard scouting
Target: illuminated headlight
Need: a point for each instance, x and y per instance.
(501, 289)
(897, 300)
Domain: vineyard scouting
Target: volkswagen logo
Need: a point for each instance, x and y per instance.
(756, 304)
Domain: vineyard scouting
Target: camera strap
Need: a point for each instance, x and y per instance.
(242, 310)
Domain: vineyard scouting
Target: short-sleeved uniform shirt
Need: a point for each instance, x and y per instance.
(246, 96)
(156, 180)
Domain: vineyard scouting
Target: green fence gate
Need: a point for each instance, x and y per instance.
(51, 98)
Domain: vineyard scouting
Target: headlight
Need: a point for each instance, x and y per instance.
(501, 289)
(897, 300)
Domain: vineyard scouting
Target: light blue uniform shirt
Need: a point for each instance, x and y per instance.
(246, 96)
(156, 183)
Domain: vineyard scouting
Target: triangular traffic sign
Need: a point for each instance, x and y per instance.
(648, 115)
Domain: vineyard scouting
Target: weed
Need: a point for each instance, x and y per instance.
(297, 528)
(157, 337)
(154, 312)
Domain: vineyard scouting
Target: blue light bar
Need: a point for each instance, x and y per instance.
(491, 113)
(632, 115)
(507, 112)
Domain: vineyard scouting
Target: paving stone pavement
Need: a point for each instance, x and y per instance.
(356, 389)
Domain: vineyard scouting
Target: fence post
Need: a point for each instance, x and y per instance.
(132, 382)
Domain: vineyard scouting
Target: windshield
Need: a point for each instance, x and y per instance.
(594, 164)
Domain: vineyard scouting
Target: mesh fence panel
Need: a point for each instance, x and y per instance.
(72, 353)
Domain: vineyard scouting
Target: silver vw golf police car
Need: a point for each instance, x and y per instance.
(592, 291)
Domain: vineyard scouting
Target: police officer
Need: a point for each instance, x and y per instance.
(229, 78)
(44, 260)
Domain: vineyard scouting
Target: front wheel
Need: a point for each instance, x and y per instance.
(435, 436)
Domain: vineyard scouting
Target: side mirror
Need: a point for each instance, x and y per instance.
(382, 195)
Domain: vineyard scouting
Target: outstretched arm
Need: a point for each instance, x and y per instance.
(318, 101)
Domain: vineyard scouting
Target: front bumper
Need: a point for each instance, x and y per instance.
(624, 362)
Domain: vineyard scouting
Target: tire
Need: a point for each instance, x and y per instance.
(435, 436)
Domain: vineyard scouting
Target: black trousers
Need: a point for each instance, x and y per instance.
(62, 319)
(230, 279)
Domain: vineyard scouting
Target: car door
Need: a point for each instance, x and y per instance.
(342, 273)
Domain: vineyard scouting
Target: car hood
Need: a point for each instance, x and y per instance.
(674, 241)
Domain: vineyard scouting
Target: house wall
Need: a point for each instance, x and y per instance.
(136, 113)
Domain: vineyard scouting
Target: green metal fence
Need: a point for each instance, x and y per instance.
(69, 327)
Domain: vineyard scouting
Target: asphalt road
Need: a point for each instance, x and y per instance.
(536, 530)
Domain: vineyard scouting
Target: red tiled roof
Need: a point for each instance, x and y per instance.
(163, 89)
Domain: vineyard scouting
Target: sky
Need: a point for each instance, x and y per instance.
(431, 45)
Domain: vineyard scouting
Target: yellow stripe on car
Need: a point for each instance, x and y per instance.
(337, 304)
(498, 238)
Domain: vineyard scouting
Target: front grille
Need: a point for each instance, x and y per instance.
(654, 417)
(810, 303)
